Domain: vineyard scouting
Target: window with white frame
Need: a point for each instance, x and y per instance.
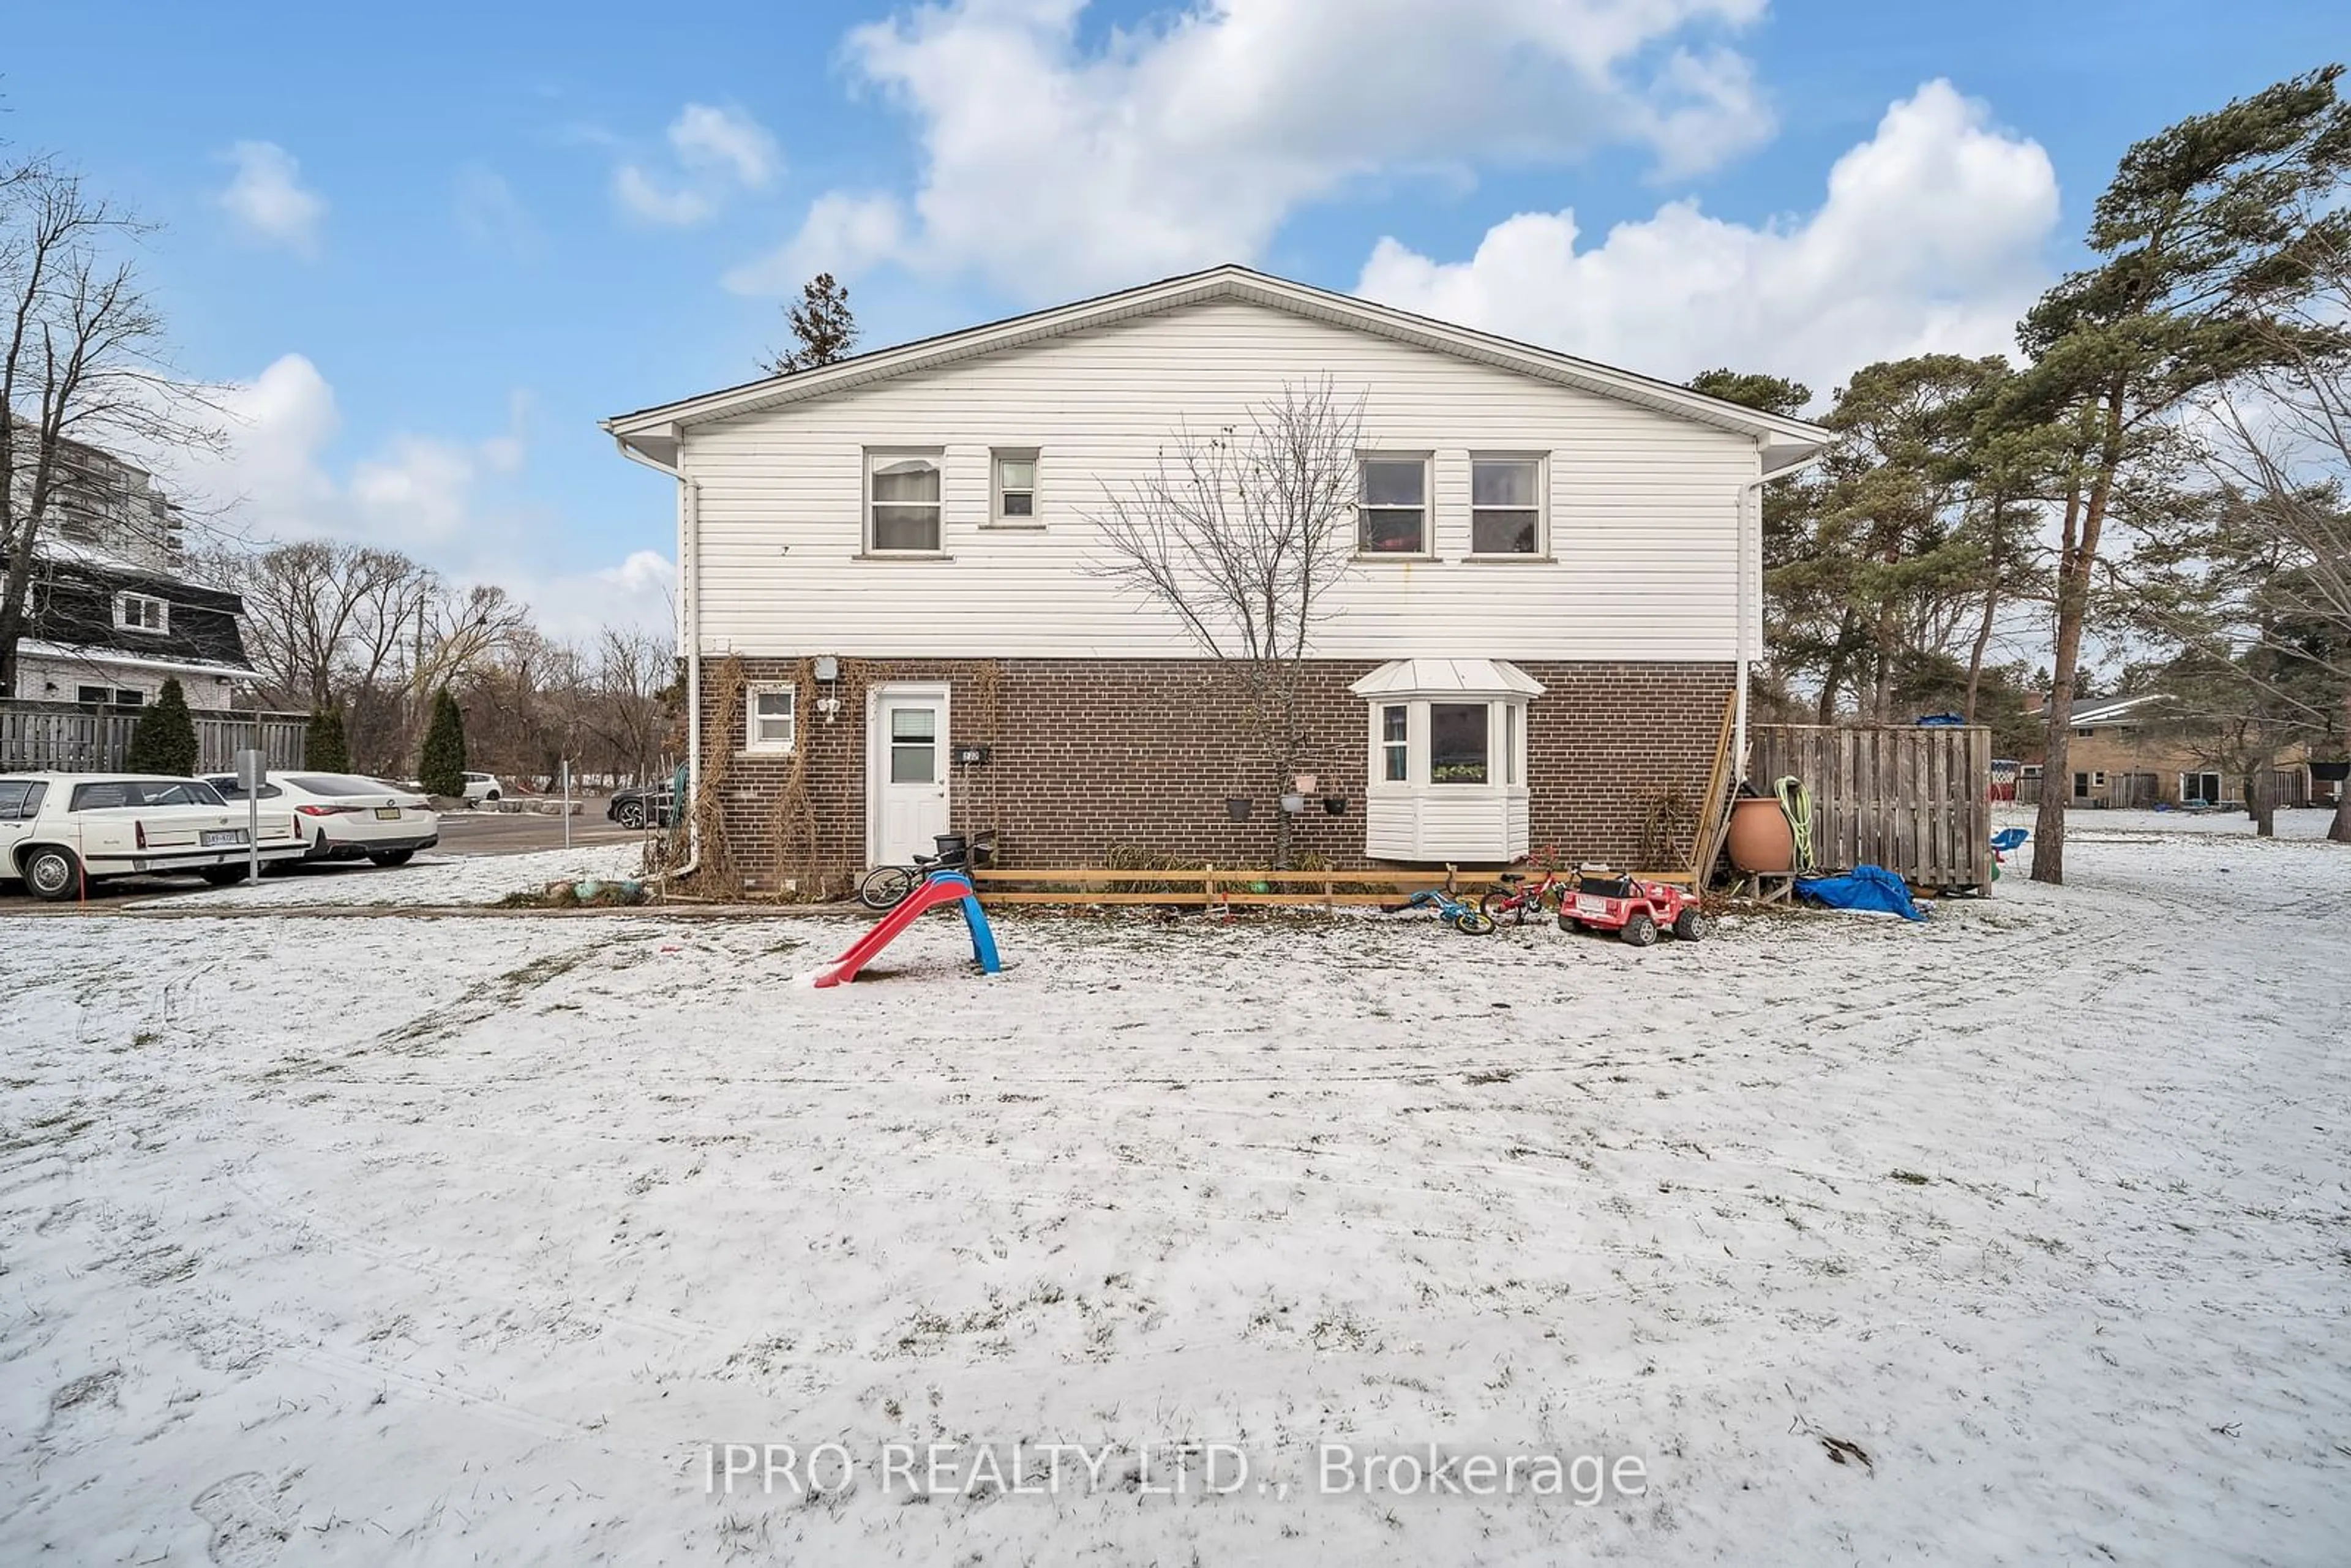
(1392, 511)
(902, 503)
(1506, 514)
(772, 722)
(1395, 743)
(1016, 486)
(142, 612)
(1460, 743)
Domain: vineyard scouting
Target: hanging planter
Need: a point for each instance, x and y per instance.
(1335, 804)
(1294, 802)
(1239, 807)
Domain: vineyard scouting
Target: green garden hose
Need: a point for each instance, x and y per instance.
(1796, 802)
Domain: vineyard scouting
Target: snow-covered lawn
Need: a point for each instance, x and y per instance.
(432, 880)
(392, 1241)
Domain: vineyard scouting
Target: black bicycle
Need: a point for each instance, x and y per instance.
(886, 886)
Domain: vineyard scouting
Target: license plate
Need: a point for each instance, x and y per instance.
(1586, 905)
(388, 813)
(215, 838)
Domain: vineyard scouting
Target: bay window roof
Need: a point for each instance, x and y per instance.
(1447, 678)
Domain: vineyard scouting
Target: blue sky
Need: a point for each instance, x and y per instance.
(435, 245)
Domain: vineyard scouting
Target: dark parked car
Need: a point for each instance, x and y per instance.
(634, 808)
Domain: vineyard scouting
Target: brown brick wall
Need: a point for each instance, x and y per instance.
(1089, 757)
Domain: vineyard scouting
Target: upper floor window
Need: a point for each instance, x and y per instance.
(903, 502)
(772, 721)
(1016, 484)
(1393, 513)
(1506, 505)
(142, 612)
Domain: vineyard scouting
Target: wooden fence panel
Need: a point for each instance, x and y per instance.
(1915, 800)
(60, 737)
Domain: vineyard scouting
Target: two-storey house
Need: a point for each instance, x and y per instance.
(897, 621)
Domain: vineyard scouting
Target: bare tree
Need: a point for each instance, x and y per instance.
(1242, 534)
(2280, 440)
(323, 620)
(83, 370)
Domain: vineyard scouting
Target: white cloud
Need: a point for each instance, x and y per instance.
(716, 151)
(1055, 166)
(728, 139)
(1931, 238)
(842, 234)
(435, 498)
(266, 198)
(649, 202)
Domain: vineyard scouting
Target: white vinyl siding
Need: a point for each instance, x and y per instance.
(1639, 507)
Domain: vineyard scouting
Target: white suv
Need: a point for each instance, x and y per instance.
(483, 787)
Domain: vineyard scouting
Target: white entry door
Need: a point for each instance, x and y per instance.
(906, 773)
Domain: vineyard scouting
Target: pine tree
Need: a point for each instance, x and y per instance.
(323, 746)
(821, 325)
(164, 742)
(441, 768)
(2206, 234)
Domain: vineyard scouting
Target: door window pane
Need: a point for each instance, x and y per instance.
(913, 749)
(1457, 743)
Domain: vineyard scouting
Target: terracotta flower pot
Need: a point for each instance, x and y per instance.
(1760, 839)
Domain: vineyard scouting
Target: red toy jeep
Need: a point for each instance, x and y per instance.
(1604, 900)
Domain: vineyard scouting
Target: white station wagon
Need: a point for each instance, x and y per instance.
(59, 830)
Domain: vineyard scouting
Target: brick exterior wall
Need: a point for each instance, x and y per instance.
(1092, 757)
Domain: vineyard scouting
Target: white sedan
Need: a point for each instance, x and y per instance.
(342, 816)
(60, 832)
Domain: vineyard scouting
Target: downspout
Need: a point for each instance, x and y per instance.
(1752, 489)
(689, 574)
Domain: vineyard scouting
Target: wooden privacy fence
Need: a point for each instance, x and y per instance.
(1212, 887)
(1915, 800)
(60, 737)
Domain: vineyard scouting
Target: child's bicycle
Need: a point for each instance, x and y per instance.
(1452, 911)
(1518, 900)
(886, 886)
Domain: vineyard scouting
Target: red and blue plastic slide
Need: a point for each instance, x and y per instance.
(939, 887)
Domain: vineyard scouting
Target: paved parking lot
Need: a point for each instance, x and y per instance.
(461, 832)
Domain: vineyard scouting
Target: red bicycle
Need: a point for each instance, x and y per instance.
(1517, 900)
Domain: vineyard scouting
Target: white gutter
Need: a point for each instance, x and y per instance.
(1753, 488)
(689, 585)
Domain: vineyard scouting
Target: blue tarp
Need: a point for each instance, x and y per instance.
(1865, 887)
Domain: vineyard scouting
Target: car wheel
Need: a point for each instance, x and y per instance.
(1641, 931)
(391, 857)
(492, 797)
(53, 873)
(317, 850)
(632, 815)
(1689, 925)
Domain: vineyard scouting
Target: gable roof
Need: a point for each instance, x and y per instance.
(2115, 710)
(652, 433)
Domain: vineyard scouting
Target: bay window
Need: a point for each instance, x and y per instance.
(1447, 768)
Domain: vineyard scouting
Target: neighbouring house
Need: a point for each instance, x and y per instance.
(897, 626)
(111, 614)
(2124, 753)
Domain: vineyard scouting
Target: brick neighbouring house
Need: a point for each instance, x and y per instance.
(895, 627)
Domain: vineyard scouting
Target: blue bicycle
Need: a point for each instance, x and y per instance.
(1465, 918)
